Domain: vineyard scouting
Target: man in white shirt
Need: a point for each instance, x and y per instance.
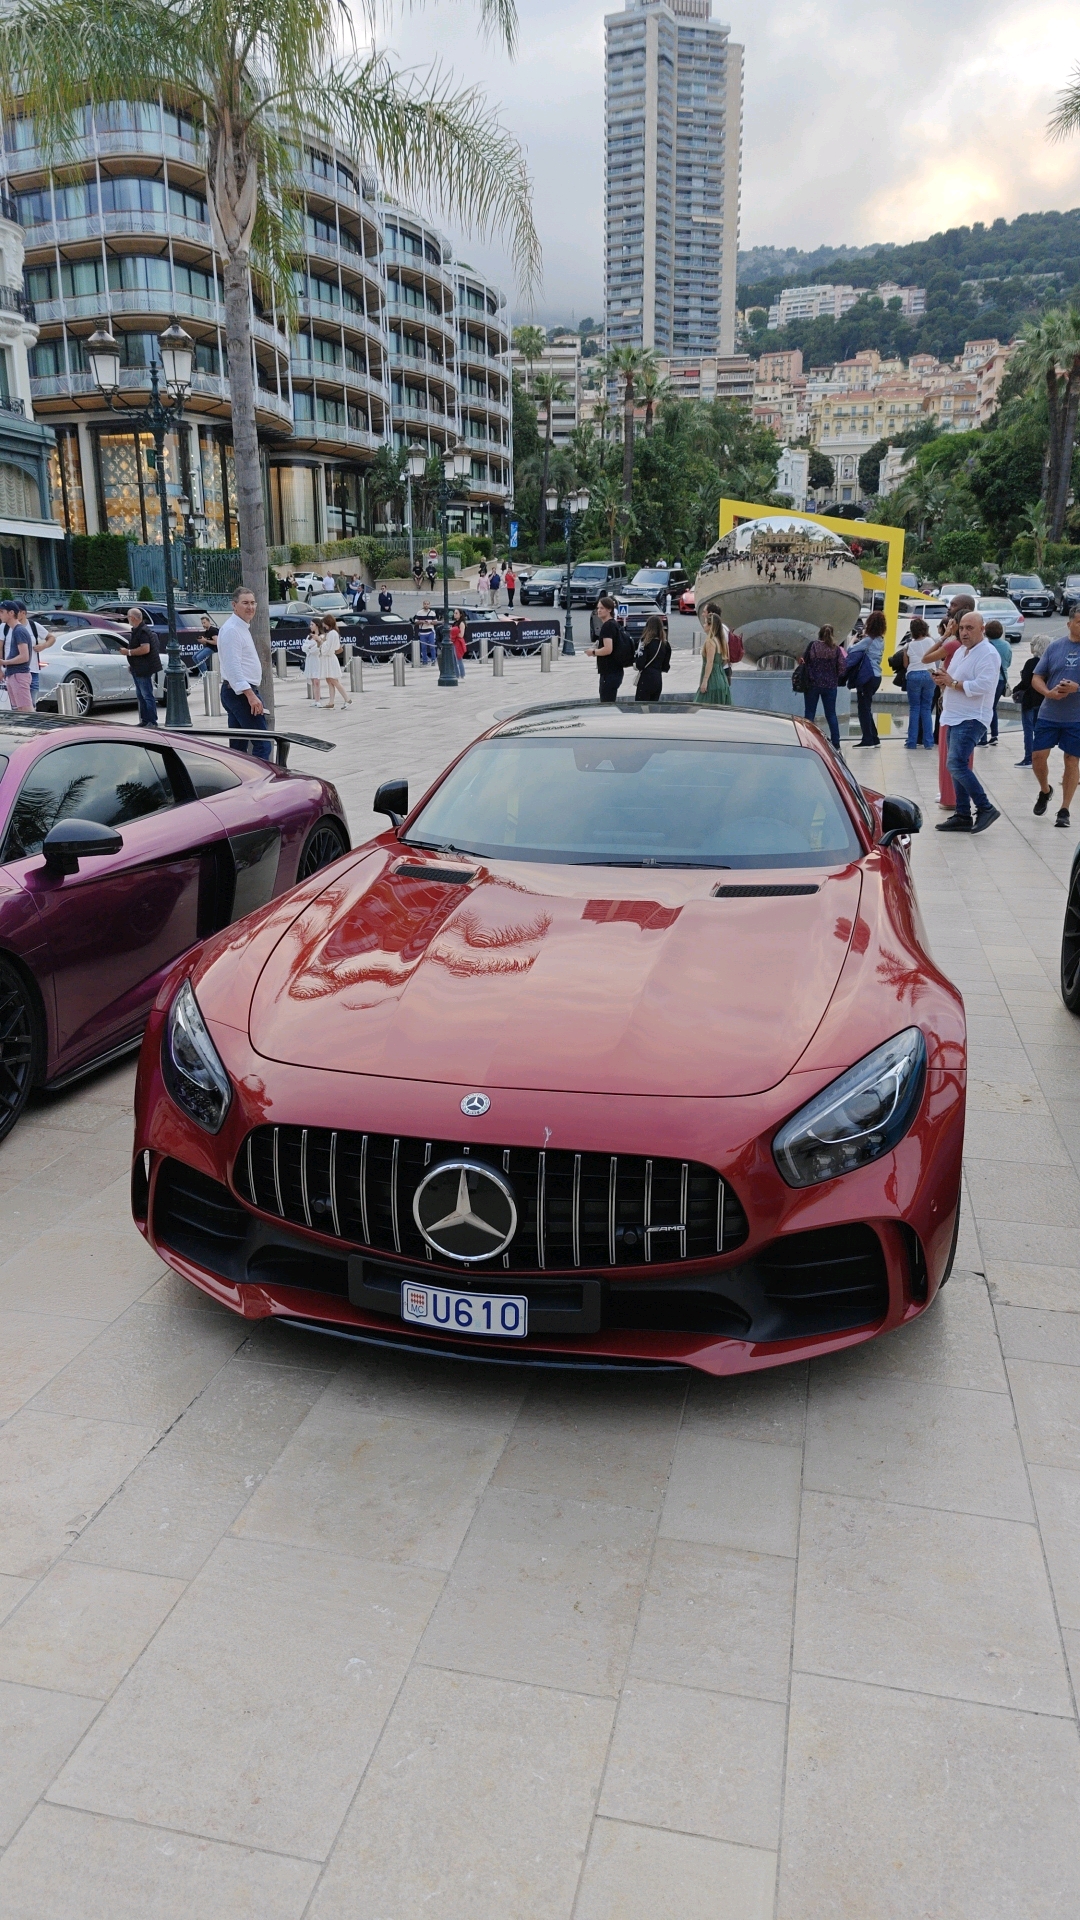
(241, 672)
(968, 685)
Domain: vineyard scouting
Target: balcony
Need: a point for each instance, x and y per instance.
(347, 258)
(10, 403)
(425, 417)
(129, 220)
(133, 381)
(313, 433)
(340, 316)
(14, 300)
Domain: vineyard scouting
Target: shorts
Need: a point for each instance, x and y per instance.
(1056, 733)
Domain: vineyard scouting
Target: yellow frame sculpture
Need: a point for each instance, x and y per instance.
(892, 537)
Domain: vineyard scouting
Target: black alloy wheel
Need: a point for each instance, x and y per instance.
(327, 841)
(18, 1046)
(1070, 944)
(84, 692)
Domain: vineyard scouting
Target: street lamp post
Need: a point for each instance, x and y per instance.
(164, 411)
(459, 461)
(194, 528)
(574, 504)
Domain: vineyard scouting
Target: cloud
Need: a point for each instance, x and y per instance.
(886, 123)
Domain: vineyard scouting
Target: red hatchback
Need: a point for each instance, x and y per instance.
(119, 849)
(622, 1047)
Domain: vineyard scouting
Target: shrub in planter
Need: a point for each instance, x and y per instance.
(78, 603)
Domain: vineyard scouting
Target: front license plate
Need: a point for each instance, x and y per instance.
(505, 1315)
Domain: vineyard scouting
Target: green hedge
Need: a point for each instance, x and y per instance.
(100, 561)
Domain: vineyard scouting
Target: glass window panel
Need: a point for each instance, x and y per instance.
(65, 481)
(104, 781)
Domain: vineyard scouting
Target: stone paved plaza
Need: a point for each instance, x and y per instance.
(296, 1628)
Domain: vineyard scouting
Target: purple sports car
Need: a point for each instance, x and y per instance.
(119, 849)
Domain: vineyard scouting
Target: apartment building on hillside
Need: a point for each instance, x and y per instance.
(672, 178)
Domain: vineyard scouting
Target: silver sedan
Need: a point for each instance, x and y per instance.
(91, 661)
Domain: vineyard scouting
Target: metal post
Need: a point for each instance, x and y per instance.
(545, 657)
(568, 630)
(67, 701)
(399, 669)
(408, 512)
(177, 712)
(281, 663)
(497, 661)
(356, 674)
(414, 652)
(483, 649)
(347, 651)
(448, 673)
(212, 691)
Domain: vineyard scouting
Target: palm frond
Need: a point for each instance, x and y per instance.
(1065, 119)
(430, 143)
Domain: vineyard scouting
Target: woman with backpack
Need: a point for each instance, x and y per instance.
(653, 660)
(613, 652)
(714, 688)
(824, 663)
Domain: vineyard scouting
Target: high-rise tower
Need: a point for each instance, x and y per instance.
(672, 166)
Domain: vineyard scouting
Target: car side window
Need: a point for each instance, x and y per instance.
(106, 781)
(85, 643)
(209, 776)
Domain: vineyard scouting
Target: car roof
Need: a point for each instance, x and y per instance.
(677, 719)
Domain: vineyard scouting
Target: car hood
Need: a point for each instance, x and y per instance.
(556, 978)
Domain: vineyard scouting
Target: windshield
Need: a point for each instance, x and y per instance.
(591, 573)
(650, 577)
(548, 573)
(1024, 580)
(607, 802)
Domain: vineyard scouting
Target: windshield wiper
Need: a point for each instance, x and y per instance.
(703, 865)
(441, 846)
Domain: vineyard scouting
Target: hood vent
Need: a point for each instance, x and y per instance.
(760, 893)
(447, 876)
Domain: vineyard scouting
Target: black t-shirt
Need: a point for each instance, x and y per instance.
(144, 665)
(607, 662)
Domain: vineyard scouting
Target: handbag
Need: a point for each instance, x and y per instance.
(898, 663)
(800, 679)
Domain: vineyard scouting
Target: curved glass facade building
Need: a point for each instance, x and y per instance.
(120, 234)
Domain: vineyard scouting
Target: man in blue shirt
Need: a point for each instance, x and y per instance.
(1057, 678)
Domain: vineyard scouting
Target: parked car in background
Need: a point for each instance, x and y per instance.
(541, 587)
(662, 580)
(91, 662)
(994, 606)
(189, 621)
(1027, 592)
(930, 610)
(909, 582)
(950, 588)
(63, 621)
(634, 606)
(119, 850)
(1069, 593)
(688, 600)
(590, 579)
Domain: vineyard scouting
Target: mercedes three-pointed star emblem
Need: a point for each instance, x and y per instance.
(465, 1210)
(474, 1104)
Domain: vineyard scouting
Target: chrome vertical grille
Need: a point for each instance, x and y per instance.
(575, 1210)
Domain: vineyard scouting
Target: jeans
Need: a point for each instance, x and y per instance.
(236, 706)
(147, 698)
(1001, 685)
(428, 655)
(510, 592)
(609, 685)
(35, 682)
(969, 788)
(460, 666)
(827, 696)
(864, 697)
(1028, 717)
(920, 694)
(200, 659)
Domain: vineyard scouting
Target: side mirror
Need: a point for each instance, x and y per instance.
(73, 840)
(898, 818)
(392, 798)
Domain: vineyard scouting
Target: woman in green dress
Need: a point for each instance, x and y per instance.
(715, 687)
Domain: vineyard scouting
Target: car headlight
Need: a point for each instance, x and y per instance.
(192, 1070)
(858, 1118)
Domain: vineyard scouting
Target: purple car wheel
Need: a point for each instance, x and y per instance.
(326, 842)
(18, 1046)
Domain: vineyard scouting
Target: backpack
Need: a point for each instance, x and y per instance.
(623, 650)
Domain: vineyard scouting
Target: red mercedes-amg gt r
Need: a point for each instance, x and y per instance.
(623, 1047)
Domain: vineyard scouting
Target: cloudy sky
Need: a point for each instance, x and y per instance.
(884, 122)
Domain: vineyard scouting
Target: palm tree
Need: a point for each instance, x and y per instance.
(531, 343)
(601, 418)
(386, 480)
(547, 391)
(1036, 524)
(1049, 352)
(654, 389)
(628, 364)
(260, 74)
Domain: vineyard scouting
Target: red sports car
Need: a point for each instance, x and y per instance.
(119, 849)
(622, 1047)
